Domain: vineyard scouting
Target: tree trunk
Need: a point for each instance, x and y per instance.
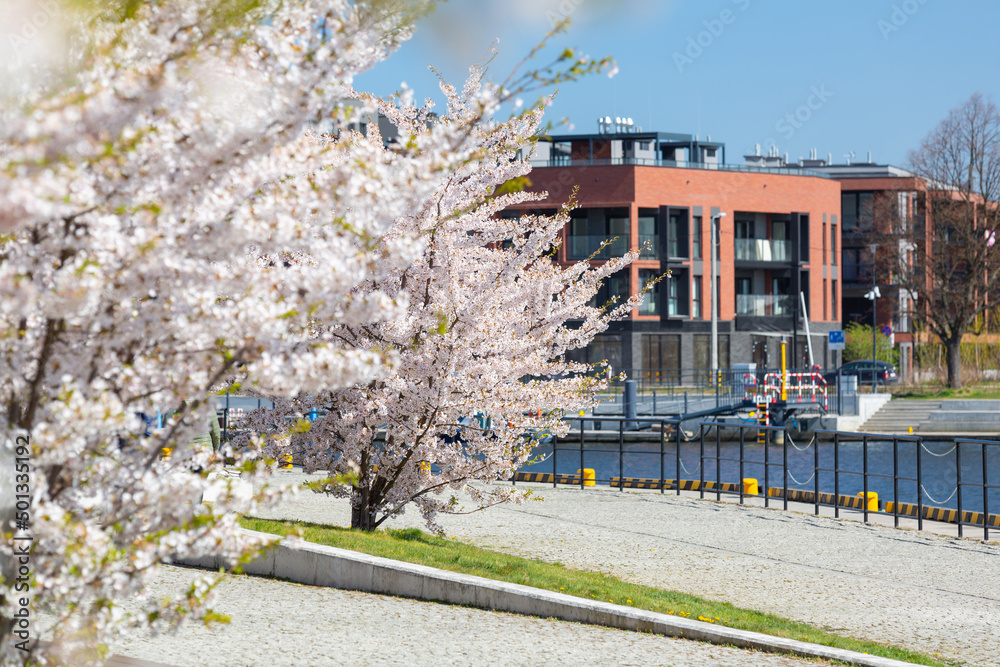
(362, 513)
(953, 348)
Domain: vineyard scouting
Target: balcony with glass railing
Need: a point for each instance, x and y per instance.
(763, 250)
(649, 246)
(583, 246)
(764, 305)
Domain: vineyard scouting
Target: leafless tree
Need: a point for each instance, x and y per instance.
(946, 253)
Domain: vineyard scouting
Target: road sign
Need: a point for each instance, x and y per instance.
(886, 331)
(836, 340)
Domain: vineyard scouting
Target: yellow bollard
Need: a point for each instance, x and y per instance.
(589, 476)
(165, 453)
(784, 373)
(750, 486)
(872, 500)
(285, 461)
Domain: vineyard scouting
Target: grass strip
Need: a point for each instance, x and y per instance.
(935, 392)
(415, 546)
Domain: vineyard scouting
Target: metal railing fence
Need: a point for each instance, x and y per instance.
(672, 391)
(870, 474)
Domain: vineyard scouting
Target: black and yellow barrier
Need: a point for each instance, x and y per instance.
(685, 484)
(800, 496)
(944, 515)
(638, 483)
(546, 478)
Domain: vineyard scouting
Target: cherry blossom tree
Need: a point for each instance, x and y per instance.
(171, 222)
(480, 348)
(170, 219)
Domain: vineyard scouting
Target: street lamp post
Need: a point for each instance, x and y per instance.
(874, 294)
(713, 282)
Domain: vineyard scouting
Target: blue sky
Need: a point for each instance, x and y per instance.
(838, 76)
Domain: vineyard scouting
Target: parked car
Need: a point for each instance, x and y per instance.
(866, 371)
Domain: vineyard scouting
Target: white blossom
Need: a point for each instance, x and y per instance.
(489, 319)
(169, 220)
(172, 222)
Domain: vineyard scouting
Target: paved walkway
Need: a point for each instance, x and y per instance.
(929, 592)
(281, 623)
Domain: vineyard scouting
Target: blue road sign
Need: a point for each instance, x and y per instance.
(836, 340)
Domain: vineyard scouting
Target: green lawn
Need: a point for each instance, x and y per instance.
(929, 392)
(414, 546)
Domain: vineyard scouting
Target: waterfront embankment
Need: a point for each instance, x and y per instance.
(932, 593)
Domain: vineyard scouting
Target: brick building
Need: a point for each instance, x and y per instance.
(778, 237)
(875, 197)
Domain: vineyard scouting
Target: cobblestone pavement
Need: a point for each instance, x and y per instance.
(281, 623)
(933, 593)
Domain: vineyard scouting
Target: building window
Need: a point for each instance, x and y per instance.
(607, 347)
(651, 300)
(604, 347)
(821, 257)
(904, 308)
(855, 270)
(781, 248)
(618, 228)
(649, 236)
(670, 294)
(779, 230)
(849, 210)
(743, 285)
(696, 297)
(744, 246)
(833, 300)
(677, 233)
(702, 355)
(833, 245)
(615, 285)
(673, 295)
(857, 210)
(589, 228)
(804, 238)
(696, 252)
(825, 312)
(744, 229)
(661, 357)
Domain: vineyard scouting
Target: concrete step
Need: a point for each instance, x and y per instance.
(898, 416)
(935, 416)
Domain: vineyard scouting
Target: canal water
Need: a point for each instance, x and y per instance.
(939, 461)
(721, 462)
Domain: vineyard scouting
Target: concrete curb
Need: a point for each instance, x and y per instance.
(304, 562)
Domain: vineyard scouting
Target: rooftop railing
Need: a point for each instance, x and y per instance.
(563, 161)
